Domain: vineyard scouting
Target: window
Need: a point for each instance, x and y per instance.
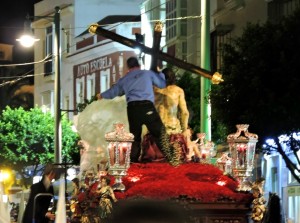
(48, 101)
(274, 177)
(183, 53)
(183, 28)
(79, 90)
(183, 3)
(171, 22)
(292, 211)
(90, 86)
(121, 65)
(104, 80)
(218, 38)
(49, 51)
(67, 39)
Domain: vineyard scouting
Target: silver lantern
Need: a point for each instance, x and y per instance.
(119, 148)
(242, 149)
(206, 148)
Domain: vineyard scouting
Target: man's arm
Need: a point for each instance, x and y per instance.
(158, 79)
(184, 113)
(114, 91)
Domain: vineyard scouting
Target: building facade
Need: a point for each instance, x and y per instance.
(100, 62)
(88, 63)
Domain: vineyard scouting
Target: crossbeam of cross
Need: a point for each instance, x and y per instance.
(215, 78)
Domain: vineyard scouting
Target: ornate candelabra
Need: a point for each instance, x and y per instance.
(242, 149)
(119, 149)
(225, 163)
(206, 148)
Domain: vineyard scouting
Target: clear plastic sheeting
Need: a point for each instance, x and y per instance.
(93, 122)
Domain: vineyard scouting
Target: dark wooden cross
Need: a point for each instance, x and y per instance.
(155, 51)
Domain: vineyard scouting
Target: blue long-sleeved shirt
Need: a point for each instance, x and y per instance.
(137, 85)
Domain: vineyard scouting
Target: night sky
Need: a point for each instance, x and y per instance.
(12, 17)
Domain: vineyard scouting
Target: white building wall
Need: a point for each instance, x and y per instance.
(45, 85)
(76, 16)
(239, 13)
(91, 11)
(283, 184)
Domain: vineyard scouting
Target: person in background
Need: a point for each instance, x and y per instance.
(40, 197)
(137, 86)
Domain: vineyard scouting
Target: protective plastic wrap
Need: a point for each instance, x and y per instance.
(93, 122)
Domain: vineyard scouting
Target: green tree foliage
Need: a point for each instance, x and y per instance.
(86, 102)
(191, 86)
(261, 86)
(27, 139)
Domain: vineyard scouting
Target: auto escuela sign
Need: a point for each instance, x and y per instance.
(93, 66)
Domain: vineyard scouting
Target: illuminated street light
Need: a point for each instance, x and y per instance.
(57, 58)
(27, 39)
(4, 175)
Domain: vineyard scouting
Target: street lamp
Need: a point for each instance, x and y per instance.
(28, 41)
(4, 175)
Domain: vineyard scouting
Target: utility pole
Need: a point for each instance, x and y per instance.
(57, 114)
(28, 42)
(205, 85)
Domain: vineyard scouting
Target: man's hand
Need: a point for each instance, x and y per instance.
(98, 96)
(50, 216)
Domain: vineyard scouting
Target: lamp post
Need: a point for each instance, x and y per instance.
(57, 68)
(58, 131)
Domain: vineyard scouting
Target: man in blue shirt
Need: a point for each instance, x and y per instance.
(137, 86)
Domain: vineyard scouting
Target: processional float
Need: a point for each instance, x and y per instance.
(157, 54)
(242, 143)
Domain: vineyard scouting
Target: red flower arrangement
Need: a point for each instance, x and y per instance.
(202, 182)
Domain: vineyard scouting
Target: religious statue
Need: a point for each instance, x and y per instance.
(258, 203)
(225, 163)
(106, 197)
(194, 153)
(171, 105)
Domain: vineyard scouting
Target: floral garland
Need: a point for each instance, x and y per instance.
(171, 150)
(202, 182)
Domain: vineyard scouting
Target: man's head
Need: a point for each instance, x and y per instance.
(132, 62)
(169, 75)
(76, 181)
(50, 171)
